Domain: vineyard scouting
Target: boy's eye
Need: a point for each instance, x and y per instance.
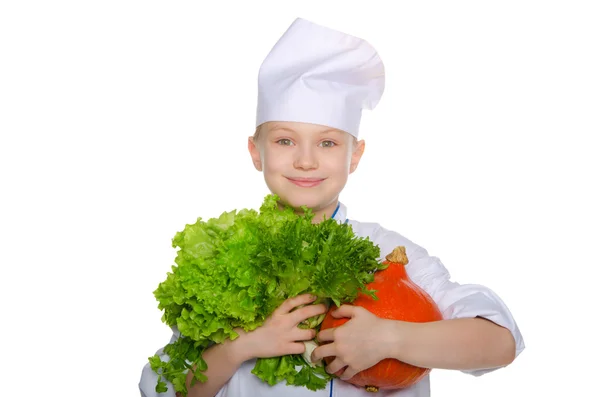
(327, 144)
(285, 142)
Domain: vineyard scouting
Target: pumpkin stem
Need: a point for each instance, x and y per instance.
(398, 255)
(372, 389)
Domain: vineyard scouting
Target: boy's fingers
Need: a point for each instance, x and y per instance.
(296, 348)
(327, 350)
(344, 311)
(326, 335)
(296, 301)
(307, 312)
(304, 334)
(335, 366)
(348, 373)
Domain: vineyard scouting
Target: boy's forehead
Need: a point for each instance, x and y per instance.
(299, 127)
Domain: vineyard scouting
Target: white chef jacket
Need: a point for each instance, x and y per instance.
(454, 301)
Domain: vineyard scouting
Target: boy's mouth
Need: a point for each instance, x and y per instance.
(306, 182)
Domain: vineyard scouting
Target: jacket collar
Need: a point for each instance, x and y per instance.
(340, 213)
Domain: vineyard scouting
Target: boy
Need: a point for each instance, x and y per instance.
(313, 86)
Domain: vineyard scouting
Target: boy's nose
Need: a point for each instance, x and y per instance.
(305, 160)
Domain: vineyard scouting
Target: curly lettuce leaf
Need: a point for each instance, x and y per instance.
(278, 369)
(235, 270)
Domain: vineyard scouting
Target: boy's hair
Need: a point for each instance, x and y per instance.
(257, 132)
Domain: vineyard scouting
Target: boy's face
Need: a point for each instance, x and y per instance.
(305, 164)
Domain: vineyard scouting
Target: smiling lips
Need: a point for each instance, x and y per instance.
(306, 182)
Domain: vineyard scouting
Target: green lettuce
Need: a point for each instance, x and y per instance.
(235, 270)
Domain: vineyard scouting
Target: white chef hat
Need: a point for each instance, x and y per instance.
(318, 75)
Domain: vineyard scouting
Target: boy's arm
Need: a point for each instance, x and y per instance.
(463, 344)
(278, 336)
(477, 336)
(455, 301)
(223, 360)
(467, 307)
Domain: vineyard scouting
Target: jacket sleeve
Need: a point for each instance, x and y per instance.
(453, 299)
(149, 378)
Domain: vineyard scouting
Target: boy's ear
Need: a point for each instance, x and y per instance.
(357, 153)
(254, 153)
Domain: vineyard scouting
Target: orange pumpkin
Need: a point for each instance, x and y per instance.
(399, 299)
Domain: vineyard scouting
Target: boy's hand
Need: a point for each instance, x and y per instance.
(357, 345)
(280, 335)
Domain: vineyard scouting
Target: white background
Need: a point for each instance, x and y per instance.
(121, 121)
